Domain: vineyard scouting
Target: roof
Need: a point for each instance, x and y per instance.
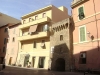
(37, 11)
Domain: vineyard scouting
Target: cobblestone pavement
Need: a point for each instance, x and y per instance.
(24, 71)
(41, 73)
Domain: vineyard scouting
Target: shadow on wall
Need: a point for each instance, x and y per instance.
(88, 60)
(61, 58)
(3, 42)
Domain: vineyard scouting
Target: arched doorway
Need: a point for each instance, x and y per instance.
(60, 64)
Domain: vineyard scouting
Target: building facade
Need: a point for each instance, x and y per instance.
(12, 44)
(5, 20)
(60, 43)
(3, 42)
(34, 39)
(86, 35)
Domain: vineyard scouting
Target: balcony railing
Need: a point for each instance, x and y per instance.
(34, 36)
(38, 21)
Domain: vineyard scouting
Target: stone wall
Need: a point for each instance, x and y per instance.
(61, 48)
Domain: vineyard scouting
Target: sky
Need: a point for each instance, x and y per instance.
(18, 8)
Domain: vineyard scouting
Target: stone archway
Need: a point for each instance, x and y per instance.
(60, 64)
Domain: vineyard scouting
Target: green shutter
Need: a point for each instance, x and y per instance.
(81, 13)
(82, 34)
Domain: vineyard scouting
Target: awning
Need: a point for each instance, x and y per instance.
(33, 28)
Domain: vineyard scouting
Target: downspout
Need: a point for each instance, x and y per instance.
(96, 25)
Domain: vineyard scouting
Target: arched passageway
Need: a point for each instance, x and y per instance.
(60, 64)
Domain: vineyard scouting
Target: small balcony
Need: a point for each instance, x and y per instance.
(77, 2)
(38, 21)
(34, 36)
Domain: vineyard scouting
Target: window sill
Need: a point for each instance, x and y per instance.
(83, 42)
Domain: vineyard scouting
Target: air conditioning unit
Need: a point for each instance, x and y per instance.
(83, 55)
(52, 49)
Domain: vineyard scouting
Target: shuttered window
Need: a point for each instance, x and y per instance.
(81, 13)
(5, 41)
(82, 34)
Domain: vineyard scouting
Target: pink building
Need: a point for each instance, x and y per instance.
(9, 43)
(5, 21)
(3, 42)
(12, 44)
(86, 35)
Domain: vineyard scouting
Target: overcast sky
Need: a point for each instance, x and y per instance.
(18, 8)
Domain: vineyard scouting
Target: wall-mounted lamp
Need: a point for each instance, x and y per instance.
(88, 33)
(91, 37)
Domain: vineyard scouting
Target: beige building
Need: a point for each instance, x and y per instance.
(35, 32)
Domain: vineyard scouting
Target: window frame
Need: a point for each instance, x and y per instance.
(43, 15)
(13, 39)
(78, 12)
(81, 59)
(30, 19)
(34, 44)
(36, 17)
(4, 49)
(6, 29)
(61, 38)
(24, 21)
(5, 41)
(85, 34)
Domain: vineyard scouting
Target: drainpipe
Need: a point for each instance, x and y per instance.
(96, 25)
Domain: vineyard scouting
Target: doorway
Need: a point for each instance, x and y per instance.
(60, 64)
(41, 62)
(33, 61)
(1, 60)
(10, 60)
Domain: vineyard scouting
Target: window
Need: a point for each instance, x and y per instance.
(82, 33)
(21, 45)
(81, 13)
(44, 15)
(24, 21)
(14, 31)
(61, 37)
(5, 41)
(36, 17)
(34, 45)
(6, 30)
(3, 49)
(43, 44)
(45, 28)
(41, 62)
(82, 58)
(13, 40)
(30, 19)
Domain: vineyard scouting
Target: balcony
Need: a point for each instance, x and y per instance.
(77, 2)
(38, 21)
(35, 36)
